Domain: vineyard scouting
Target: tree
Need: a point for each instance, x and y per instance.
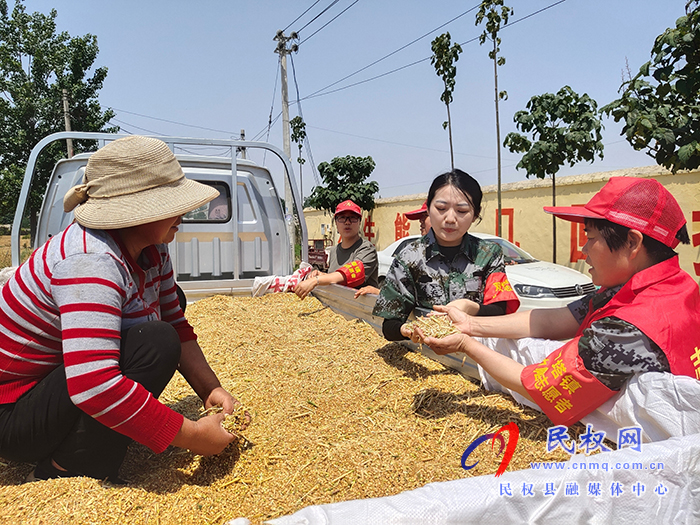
(661, 104)
(36, 65)
(298, 135)
(495, 18)
(443, 59)
(344, 178)
(565, 128)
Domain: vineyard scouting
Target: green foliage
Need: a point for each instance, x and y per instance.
(344, 178)
(298, 134)
(660, 106)
(36, 64)
(564, 127)
(443, 59)
(495, 19)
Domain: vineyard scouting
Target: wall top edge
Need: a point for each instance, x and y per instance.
(572, 180)
(568, 180)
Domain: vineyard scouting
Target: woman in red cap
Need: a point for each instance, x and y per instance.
(447, 264)
(632, 225)
(353, 262)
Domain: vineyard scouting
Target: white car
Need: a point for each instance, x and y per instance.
(539, 284)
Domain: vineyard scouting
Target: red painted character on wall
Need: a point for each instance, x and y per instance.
(510, 213)
(578, 239)
(367, 229)
(401, 226)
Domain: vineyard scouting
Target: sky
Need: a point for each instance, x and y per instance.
(208, 69)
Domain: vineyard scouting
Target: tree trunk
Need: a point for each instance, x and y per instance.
(33, 223)
(554, 219)
(449, 129)
(498, 140)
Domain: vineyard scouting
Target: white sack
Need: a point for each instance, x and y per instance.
(280, 283)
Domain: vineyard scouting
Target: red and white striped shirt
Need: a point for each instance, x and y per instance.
(68, 304)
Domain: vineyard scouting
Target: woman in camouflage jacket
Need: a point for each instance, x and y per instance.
(447, 264)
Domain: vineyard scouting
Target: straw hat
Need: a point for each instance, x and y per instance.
(134, 180)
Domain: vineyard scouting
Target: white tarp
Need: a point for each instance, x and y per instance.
(661, 495)
(663, 405)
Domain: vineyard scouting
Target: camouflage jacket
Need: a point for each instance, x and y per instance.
(420, 276)
(614, 350)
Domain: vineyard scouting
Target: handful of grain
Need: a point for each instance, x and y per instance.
(234, 423)
(237, 422)
(437, 326)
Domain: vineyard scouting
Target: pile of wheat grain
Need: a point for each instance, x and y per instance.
(338, 414)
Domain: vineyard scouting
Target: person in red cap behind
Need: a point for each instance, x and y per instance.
(421, 214)
(645, 317)
(353, 262)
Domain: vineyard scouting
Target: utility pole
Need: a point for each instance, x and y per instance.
(66, 117)
(498, 140)
(242, 150)
(283, 50)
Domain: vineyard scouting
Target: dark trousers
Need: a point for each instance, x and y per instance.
(44, 422)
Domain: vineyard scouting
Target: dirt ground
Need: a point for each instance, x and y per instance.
(338, 413)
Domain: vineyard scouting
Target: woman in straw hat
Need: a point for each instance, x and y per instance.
(91, 329)
(633, 226)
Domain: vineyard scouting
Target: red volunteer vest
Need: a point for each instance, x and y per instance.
(663, 302)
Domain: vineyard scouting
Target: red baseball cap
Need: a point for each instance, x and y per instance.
(348, 205)
(641, 204)
(416, 214)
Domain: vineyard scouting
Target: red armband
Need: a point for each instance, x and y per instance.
(498, 289)
(562, 387)
(354, 273)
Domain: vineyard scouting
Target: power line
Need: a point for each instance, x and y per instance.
(401, 144)
(331, 20)
(318, 93)
(535, 13)
(317, 180)
(394, 52)
(262, 131)
(367, 80)
(314, 18)
(297, 18)
(137, 127)
(272, 107)
(175, 122)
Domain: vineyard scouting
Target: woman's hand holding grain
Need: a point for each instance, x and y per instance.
(447, 345)
(205, 436)
(460, 320)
